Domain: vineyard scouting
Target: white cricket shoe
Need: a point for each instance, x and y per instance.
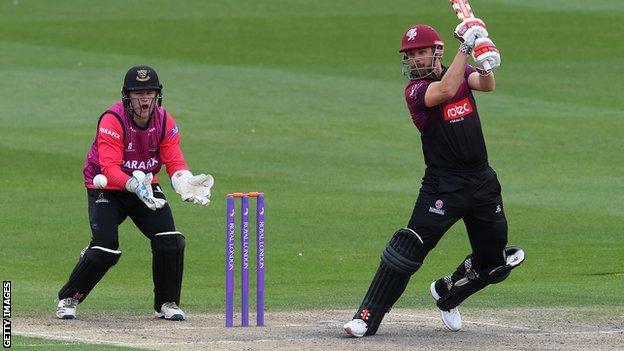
(356, 328)
(66, 308)
(452, 318)
(170, 311)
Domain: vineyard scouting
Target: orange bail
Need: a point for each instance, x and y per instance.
(250, 194)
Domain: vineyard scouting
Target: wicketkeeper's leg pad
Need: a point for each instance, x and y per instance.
(398, 263)
(472, 280)
(167, 267)
(92, 265)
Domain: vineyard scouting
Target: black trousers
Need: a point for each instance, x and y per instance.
(109, 208)
(473, 197)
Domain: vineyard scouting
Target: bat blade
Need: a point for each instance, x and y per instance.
(462, 9)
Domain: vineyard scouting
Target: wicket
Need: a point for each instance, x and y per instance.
(229, 258)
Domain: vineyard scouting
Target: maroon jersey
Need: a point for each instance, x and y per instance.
(451, 133)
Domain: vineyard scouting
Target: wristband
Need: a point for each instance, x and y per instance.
(482, 72)
(465, 49)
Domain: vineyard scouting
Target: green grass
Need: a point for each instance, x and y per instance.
(303, 100)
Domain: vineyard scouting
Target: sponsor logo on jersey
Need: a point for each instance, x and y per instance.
(142, 165)
(110, 132)
(498, 209)
(456, 111)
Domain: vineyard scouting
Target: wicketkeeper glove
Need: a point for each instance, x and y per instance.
(141, 185)
(469, 30)
(486, 55)
(195, 189)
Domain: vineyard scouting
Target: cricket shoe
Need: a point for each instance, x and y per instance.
(170, 311)
(66, 308)
(356, 328)
(451, 318)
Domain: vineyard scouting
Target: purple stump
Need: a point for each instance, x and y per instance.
(260, 261)
(229, 263)
(245, 261)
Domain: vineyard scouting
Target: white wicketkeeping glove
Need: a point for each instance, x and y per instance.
(141, 185)
(469, 30)
(486, 55)
(195, 189)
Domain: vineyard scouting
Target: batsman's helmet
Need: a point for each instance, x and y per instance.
(417, 37)
(141, 78)
(420, 36)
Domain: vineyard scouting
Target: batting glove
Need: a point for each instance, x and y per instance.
(195, 189)
(469, 30)
(486, 55)
(141, 185)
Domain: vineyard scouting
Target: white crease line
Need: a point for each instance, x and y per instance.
(42, 344)
(75, 339)
(117, 343)
(539, 331)
(471, 322)
(583, 332)
(326, 323)
(236, 327)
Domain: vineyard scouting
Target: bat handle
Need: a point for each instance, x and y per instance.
(486, 66)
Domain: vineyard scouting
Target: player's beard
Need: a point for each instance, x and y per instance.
(413, 70)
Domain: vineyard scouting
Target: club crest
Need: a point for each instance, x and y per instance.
(142, 75)
(411, 34)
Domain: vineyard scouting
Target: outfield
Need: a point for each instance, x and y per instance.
(304, 100)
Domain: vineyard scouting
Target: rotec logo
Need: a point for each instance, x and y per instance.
(457, 109)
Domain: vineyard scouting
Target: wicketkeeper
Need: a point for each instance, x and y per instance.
(135, 137)
(458, 181)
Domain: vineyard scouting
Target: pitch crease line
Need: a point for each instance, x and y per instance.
(49, 336)
(471, 322)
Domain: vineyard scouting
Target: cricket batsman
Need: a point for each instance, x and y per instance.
(458, 182)
(134, 138)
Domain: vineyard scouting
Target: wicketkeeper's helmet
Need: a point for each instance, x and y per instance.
(141, 78)
(417, 37)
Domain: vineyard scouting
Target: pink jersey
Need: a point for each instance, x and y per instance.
(121, 147)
